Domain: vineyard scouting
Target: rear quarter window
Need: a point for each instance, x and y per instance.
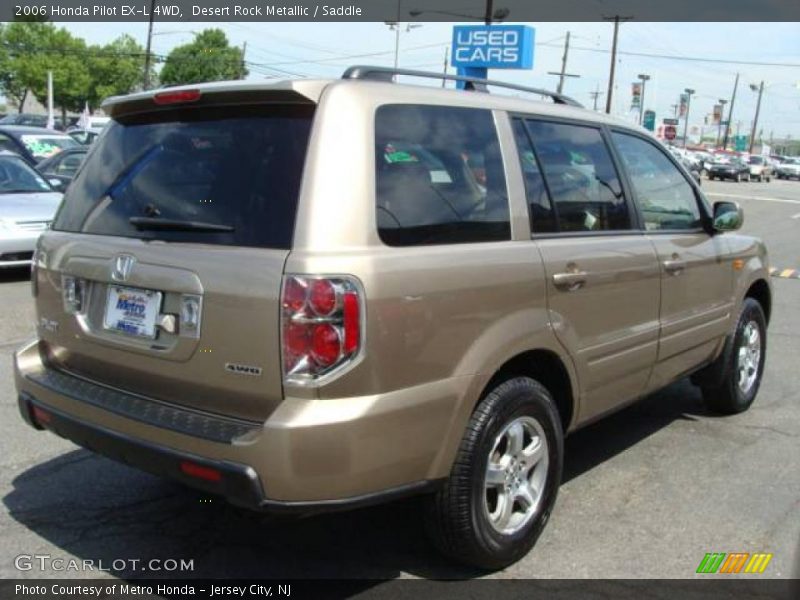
(439, 176)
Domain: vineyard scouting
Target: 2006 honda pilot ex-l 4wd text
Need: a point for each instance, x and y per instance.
(320, 294)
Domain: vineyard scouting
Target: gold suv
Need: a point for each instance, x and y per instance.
(314, 295)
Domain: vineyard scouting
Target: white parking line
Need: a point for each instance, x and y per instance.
(761, 198)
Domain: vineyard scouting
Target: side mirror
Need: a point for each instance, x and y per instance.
(728, 216)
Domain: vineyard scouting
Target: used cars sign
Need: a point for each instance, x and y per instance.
(493, 46)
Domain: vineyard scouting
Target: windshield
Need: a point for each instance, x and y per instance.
(234, 171)
(16, 177)
(756, 160)
(43, 145)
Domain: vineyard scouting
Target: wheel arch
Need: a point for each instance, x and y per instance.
(760, 291)
(546, 367)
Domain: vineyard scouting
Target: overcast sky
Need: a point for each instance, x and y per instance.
(324, 50)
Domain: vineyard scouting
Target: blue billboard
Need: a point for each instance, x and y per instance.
(492, 47)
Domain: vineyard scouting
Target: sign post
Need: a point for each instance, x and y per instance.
(478, 48)
(649, 121)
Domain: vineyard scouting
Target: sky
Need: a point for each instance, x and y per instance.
(324, 50)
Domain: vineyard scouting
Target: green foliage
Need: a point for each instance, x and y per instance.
(116, 68)
(81, 74)
(208, 58)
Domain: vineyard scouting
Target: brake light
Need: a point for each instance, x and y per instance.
(200, 472)
(176, 97)
(41, 416)
(320, 325)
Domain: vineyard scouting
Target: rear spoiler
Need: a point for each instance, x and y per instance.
(216, 94)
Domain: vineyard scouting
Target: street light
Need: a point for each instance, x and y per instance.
(395, 26)
(644, 78)
(689, 93)
(760, 90)
(722, 103)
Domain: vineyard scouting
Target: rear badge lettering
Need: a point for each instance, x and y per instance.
(243, 369)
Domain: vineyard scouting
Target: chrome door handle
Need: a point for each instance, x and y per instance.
(674, 267)
(569, 282)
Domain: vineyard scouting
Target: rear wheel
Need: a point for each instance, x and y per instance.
(505, 478)
(741, 363)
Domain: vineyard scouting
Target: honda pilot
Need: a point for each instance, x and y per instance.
(316, 295)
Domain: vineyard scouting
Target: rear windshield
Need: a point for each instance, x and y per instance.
(194, 175)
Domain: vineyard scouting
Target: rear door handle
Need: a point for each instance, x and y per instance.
(674, 267)
(569, 282)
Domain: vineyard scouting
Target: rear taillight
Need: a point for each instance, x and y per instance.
(321, 325)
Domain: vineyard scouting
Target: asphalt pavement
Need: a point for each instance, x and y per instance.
(647, 492)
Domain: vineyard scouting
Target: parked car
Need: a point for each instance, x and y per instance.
(84, 136)
(27, 205)
(442, 339)
(33, 144)
(789, 168)
(31, 120)
(63, 165)
(731, 168)
(760, 169)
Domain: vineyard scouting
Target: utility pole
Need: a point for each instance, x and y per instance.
(563, 72)
(616, 19)
(595, 95)
(644, 78)
(487, 17)
(730, 115)
(722, 103)
(444, 68)
(244, 51)
(149, 44)
(689, 93)
(758, 109)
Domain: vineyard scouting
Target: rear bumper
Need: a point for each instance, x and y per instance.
(310, 455)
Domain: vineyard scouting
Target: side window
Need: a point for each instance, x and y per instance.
(542, 215)
(69, 164)
(7, 144)
(439, 176)
(581, 177)
(665, 198)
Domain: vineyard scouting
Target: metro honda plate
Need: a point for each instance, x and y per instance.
(132, 311)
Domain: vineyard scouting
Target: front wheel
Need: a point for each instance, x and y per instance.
(505, 478)
(741, 363)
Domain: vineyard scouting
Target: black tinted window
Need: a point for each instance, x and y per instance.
(439, 176)
(581, 177)
(542, 215)
(237, 168)
(665, 198)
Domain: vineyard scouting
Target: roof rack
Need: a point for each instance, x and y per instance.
(472, 83)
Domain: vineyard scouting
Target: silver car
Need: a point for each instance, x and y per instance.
(27, 206)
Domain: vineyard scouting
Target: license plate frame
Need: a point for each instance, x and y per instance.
(125, 321)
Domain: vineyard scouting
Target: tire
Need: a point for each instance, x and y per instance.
(465, 518)
(728, 395)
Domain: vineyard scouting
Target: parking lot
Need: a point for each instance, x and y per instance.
(646, 492)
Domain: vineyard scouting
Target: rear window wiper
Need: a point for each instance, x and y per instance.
(159, 224)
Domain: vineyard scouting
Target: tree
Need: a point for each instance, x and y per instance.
(115, 69)
(208, 58)
(32, 49)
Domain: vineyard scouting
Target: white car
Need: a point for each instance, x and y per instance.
(789, 168)
(27, 206)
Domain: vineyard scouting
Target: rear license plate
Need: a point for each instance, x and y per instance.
(132, 311)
